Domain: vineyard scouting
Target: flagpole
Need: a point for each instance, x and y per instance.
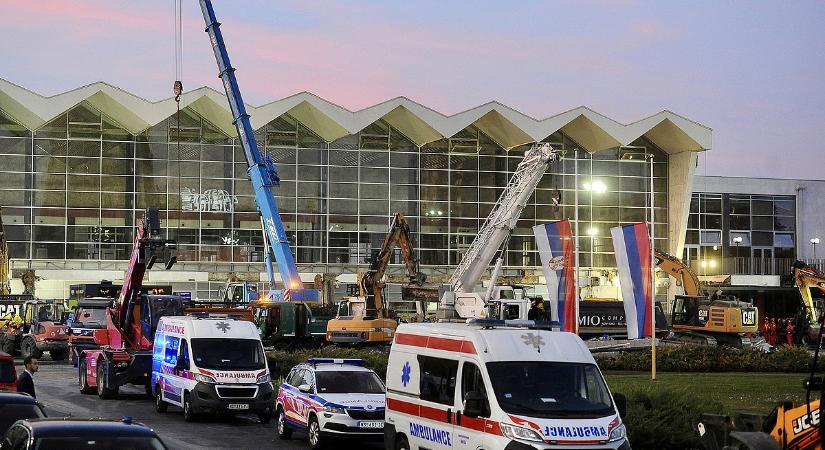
(576, 234)
(652, 277)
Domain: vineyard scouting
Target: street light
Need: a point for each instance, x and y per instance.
(814, 241)
(737, 240)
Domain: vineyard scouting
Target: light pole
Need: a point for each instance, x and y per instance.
(737, 240)
(814, 241)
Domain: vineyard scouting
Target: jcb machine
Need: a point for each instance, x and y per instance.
(125, 353)
(695, 318)
(363, 319)
(35, 327)
(787, 427)
(807, 278)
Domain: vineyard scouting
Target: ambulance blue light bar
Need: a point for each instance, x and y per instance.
(352, 361)
(537, 324)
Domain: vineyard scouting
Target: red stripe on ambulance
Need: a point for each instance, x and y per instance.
(436, 343)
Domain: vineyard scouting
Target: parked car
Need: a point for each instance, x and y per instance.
(8, 375)
(15, 406)
(331, 399)
(69, 433)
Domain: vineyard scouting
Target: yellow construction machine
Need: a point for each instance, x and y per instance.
(363, 318)
(696, 318)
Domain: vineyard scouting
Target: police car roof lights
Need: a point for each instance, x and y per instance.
(532, 324)
(352, 361)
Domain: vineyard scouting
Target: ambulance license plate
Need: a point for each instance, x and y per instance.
(371, 424)
(238, 406)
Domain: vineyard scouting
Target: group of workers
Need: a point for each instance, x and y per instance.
(778, 331)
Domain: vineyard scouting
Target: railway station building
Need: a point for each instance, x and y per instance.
(77, 169)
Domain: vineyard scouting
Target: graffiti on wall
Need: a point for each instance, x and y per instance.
(217, 200)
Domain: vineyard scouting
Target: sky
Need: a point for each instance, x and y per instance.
(752, 71)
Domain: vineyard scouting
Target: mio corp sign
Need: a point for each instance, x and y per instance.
(217, 200)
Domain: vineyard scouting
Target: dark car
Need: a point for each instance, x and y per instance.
(8, 376)
(15, 406)
(69, 433)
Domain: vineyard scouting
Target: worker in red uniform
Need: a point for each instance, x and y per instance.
(789, 332)
(770, 332)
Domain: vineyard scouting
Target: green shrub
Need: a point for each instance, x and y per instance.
(664, 418)
(280, 361)
(700, 358)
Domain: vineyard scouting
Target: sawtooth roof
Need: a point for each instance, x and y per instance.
(508, 127)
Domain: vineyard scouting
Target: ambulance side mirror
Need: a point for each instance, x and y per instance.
(305, 388)
(473, 404)
(621, 403)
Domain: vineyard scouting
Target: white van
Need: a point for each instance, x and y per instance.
(210, 365)
(494, 386)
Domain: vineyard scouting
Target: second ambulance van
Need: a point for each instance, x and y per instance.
(493, 386)
(210, 365)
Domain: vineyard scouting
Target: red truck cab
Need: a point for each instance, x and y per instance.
(8, 375)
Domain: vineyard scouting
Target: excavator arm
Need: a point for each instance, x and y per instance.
(371, 285)
(679, 270)
(805, 278)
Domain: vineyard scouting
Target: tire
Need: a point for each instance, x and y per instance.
(188, 412)
(402, 444)
(160, 405)
(81, 378)
(316, 441)
(59, 355)
(284, 432)
(73, 358)
(147, 387)
(7, 346)
(265, 417)
(29, 348)
(104, 391)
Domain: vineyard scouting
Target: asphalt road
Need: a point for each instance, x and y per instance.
(57, 390)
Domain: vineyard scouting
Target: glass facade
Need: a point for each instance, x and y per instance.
(73, 189)
(741, 233)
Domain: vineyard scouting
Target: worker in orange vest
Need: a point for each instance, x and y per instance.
(789, 332)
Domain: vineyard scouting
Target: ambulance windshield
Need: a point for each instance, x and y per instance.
(550, 389)
(228, 354)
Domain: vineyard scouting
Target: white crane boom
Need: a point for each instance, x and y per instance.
(503, 218)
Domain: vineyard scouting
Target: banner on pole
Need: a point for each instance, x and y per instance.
(554, 241)
(633, 260)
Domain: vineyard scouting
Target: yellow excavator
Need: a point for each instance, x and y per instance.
(5, 289)
(696, 318)
(363, 318)
(806, 278)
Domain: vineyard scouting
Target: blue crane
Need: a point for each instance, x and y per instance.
(261, 172)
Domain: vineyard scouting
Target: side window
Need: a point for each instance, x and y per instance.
(308, 378)
(437, 379)
(184, 354)
(170, 356)
(294, 378)
(471, 380)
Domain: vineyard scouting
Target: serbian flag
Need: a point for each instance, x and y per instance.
(632, 246)
(554, 241)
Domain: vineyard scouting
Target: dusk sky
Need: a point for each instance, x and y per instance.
(752, 71)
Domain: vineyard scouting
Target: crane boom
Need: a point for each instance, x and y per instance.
(502, 218)
(261, 170)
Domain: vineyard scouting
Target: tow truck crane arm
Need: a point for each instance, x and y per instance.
(261, 171)
(371, 286)
(679, 270)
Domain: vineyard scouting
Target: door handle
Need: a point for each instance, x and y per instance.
(449, 416)
(458, 417)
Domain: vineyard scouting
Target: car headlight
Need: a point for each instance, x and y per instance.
(334, 410)
(204, 378)
(264, 379)
(618, 433)
(525, 434)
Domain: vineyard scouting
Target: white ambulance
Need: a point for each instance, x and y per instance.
(493, 386)
(210, 365)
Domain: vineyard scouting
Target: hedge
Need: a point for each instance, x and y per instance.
(280, 361)
(700, 358)
(664, 419)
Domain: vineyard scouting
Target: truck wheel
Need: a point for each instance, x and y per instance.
(314, 432)
(160, 405)
(402, 444)
(7, 346)
(73, 358)
(265, 417)
(59, 355)
(188, 412)
(29, 348)
(284, 432)
(104, 391)
(81, 378)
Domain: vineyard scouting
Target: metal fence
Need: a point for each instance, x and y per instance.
(751, 266)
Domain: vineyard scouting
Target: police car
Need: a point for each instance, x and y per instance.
(330, 398)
